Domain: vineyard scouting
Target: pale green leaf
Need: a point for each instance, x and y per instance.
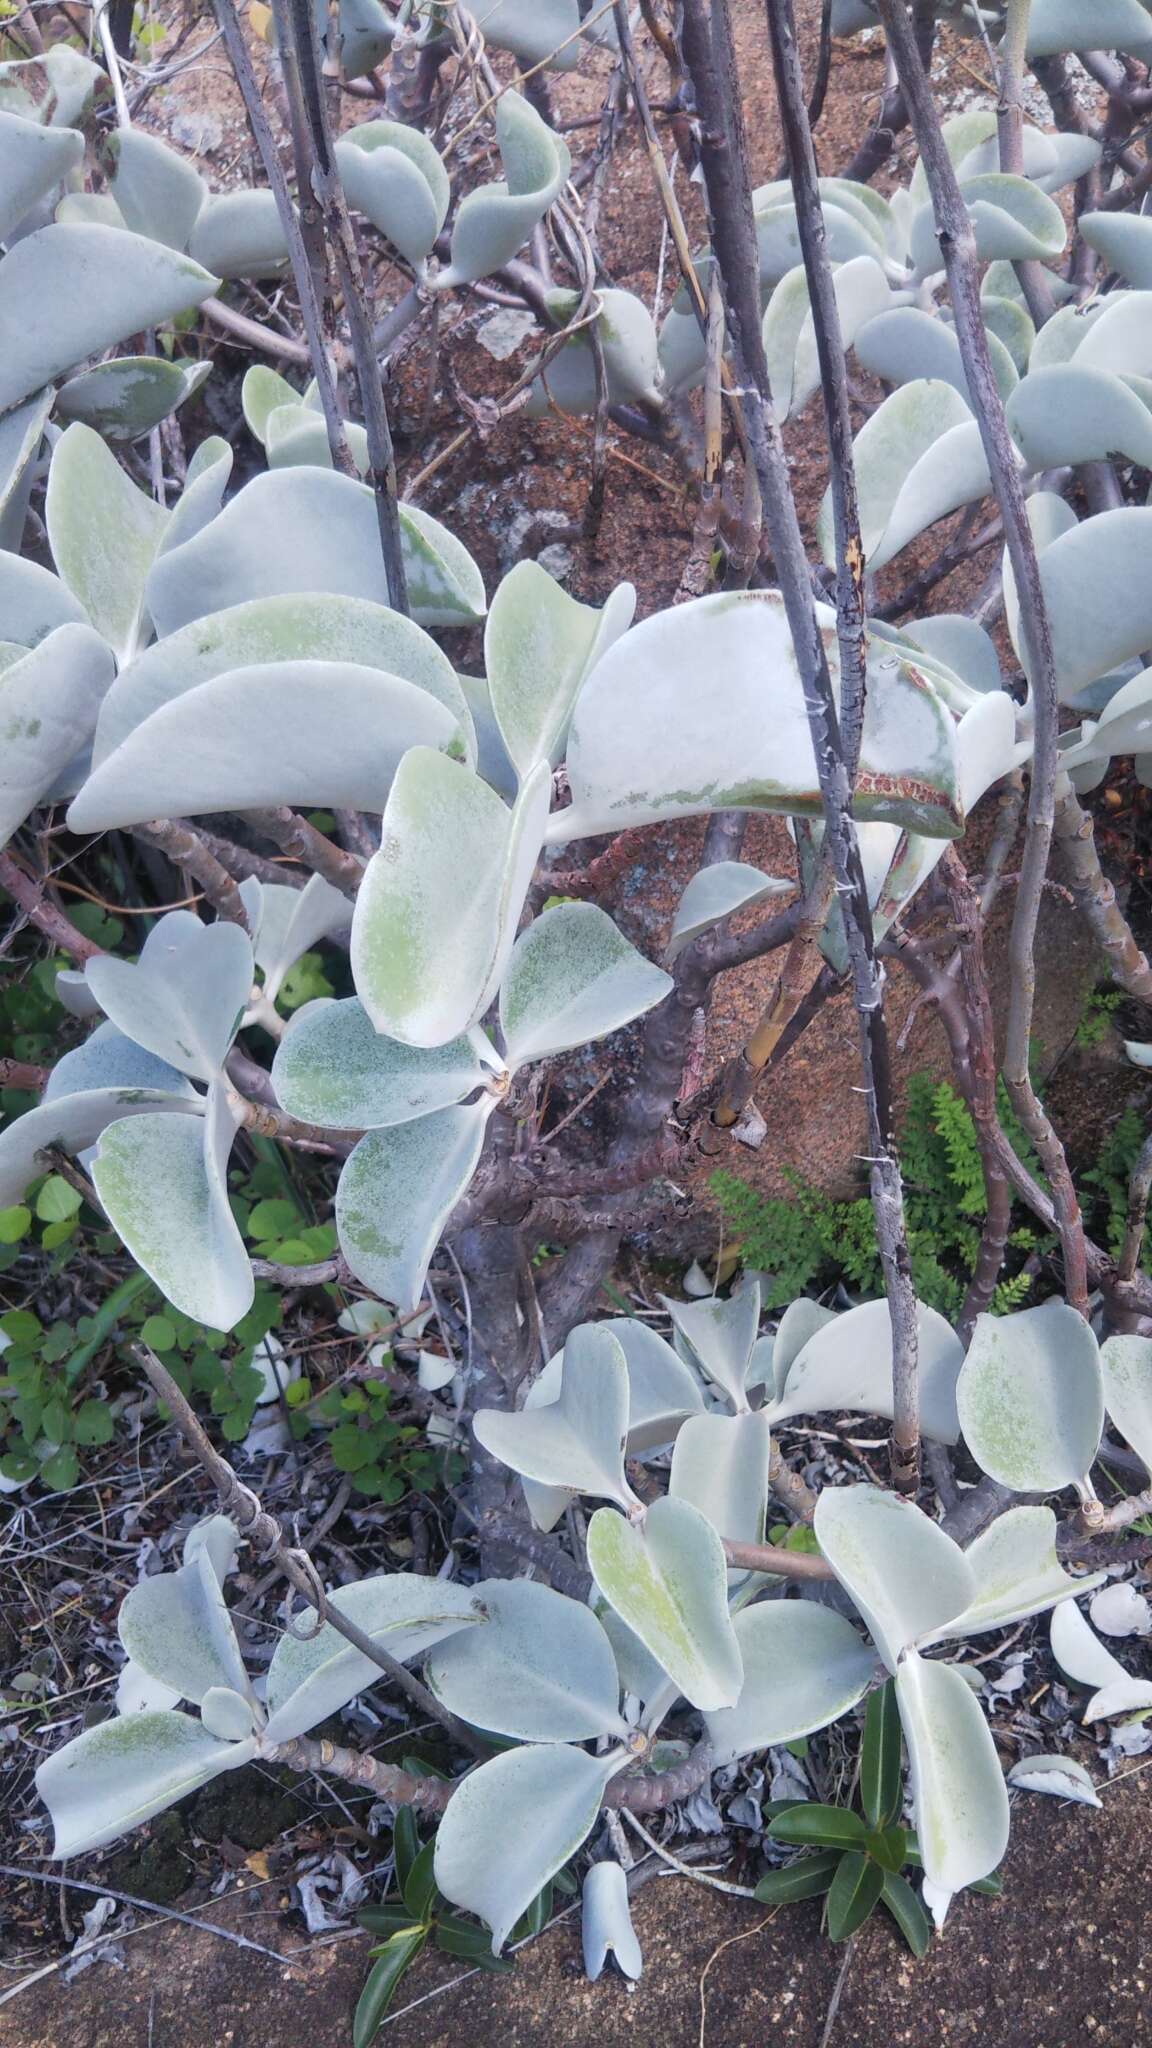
(159, 193)
(958, 1791)
(846, 1364)
(1017, 1573)
(292, 921)
(576, 1441)
(130, 395)
(541, 1669)
(534, 29)
(1126, 1363)
(333, 1068)
(177, 1628)
(495, 220)
(1124, 240)
(68, 292)
(185, 994)
(1031, 1398)
(70, 1123)
(539, 644)
(21, 434)
(32, 160)
(303, 733)
(50, 699)
(628, 346)
(907, 345)
(396, 1192)
(437, 911)
(240, 234)
(720, 1465)
(904, 1574)
(104, 532)
(127, 1770)
(719, 1333)
(512, 1824)
(395, 175)
(715, 892)
(573, 977)
(804, 1666)
(313, 1676)
(1073, 414)
(668, 1582)
(701, 707)
(1058, 26)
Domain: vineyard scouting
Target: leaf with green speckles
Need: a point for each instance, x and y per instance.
(669, 1583)
(163, 1181)
(573, 977)
(437, 911)
(1126, 1363)
(1031, 1398)
(1017, 1573)
(332, 1067)
(127, 1770)
(184, 996)
(396, 1192)
(577, 1440)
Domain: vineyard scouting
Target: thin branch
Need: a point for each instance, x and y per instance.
(710, 58)
(38, 911)
(186, 849)
(1095, 897)
(295, 836)
(1139, 1188)
(958, 246)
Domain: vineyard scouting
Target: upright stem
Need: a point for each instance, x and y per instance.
(958, 246)
(708, 49)
(1031, 275)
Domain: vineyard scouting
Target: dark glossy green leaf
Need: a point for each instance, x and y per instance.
(536, 1918)
(401, 1949)
(880, 1753)
(824, 1827)
(852, 1894)
(405, 1845)
(808, 1878)
(887, 1847)
(904, 1905)
(460, 1938)
(420, 1884)
(384, 1920)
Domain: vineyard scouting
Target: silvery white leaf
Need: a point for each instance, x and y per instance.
(305, 733)
(333, 1068)
(846, 1363)
(720, 1334)
(1011, 220)
(937, 1899)
(1071, 413)
(668, 1582)
(606, 1923)
(240, 234)
(1057, 26)
(21, 433)
(219, 1538)
(541, 1669)
(1078, 1651)
(49, 702)
(313, 1677)
(720, 1464)
(539, 644)
(184, 996)
(789, 333)
(437, 911)
(433, 1373)
(1118, 339)
(137, 1693)
(800, 1321)
(396, 1192)
(104, 532)
(68, 292)
(701, 708)
(291, 922)
(71, 1123)
(958, 1792)
(1126, 1363)
(159, 193)
(295, 627)
(33, 159)
(904, 428)
(127, 1770)
(226, 1714)
(1030, 1397)
(493, 221)
(1124, 1696)
(1017, 1573)
(961, 645)
(202, 496)
(34, 601)
(176, 1627)
(1010, 322)
(395, 175)
(629, 350)
(55, 88)
(109, 1059)
(1124, 240)
(952, 472)
(578, 1440)
(163, 1182)
(573, 977)
(513, 1823)
(1123, 727)
(1140, 1055)
(715, 892)
(1119, 1610)
(907, 345)
(904, 1574)
(1060, 1776)
(534, 30)
(305, 529)
(804, 1666)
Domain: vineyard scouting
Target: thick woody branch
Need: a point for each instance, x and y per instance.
(186, 849)
(1095, 897)
(38, 911)
(294, 835)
